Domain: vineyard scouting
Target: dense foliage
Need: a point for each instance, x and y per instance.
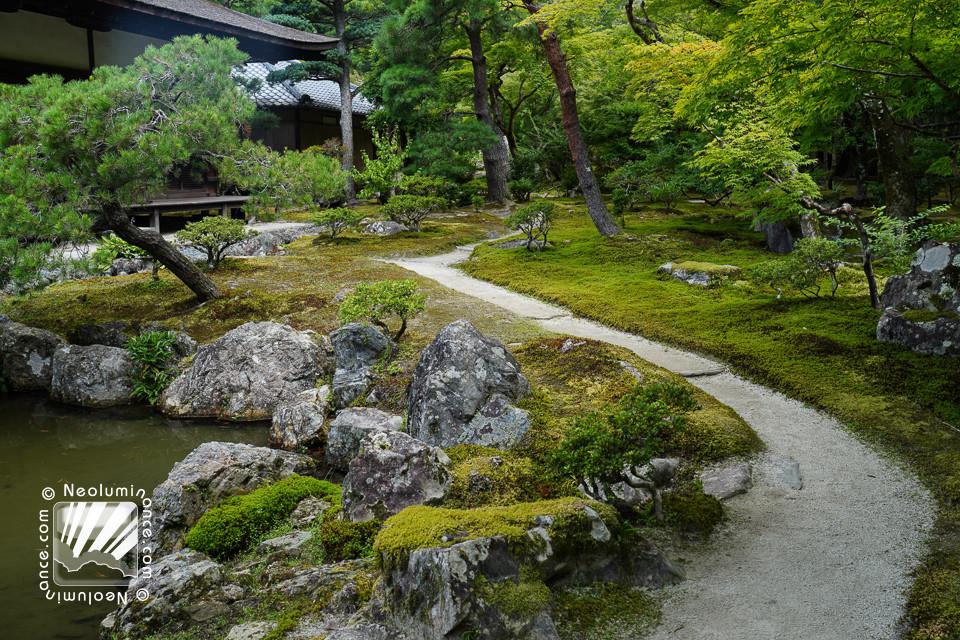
(378, 301)
(214, 235)
(152, 354)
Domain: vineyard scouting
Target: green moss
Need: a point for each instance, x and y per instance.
(524, 599)
(421, 527)
(605, 610)
(343, 540)
(238, 522)
(717, 270)
(923, 315)
(692, 511)
(496, 479)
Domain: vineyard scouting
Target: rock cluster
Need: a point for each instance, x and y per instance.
(922, 306)
(356, 348)
(702, 274)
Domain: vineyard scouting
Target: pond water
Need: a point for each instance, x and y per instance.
(46, 444)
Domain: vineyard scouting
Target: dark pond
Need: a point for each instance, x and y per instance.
(46, 444)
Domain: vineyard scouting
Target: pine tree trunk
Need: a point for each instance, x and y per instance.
(161, 251)
(346, 98)
(893, 156)
(571, 125)
(496, 158)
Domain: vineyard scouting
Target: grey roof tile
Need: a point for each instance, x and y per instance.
(322, 94)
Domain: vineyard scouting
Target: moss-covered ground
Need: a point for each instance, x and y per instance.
(823, 351)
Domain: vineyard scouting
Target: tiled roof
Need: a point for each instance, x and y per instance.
(205, 10)
(322, 94)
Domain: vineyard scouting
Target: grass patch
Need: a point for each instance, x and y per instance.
(822, 351)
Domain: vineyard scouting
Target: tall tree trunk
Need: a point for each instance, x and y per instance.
(496, 158)
(346, 97)
(116, 220)
(893, 156)
(571, 125)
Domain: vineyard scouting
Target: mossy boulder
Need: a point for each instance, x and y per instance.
(702, 274)
(488, 569)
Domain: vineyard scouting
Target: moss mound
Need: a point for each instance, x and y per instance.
(692, 511)
(498, 479)
(238, 522)
(343, 540)
(421, 527)
(605, 610)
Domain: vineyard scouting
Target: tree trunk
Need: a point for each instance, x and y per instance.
(496, 158)
(893, 156)
(571, 125)
(116, 220)
(346, 97)
(867, 253)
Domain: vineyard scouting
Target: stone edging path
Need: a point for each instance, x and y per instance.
(830, 561)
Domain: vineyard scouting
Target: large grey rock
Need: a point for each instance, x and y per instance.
(110, 334)
(289, 544)
(208, 475)
(252, 630)
(299, 422)
(392, 472)
(349, 385)
(356, 345)
(727, 480)
(922, 307)
(499, 586)
(175, 586)
(307, 511)
(26, 356)
(385, 228)
(245, 374)
(93, 376)
(497, 424)
(457, 375)
(350, 427)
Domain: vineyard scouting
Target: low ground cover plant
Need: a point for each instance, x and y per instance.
(232, 526)
(152, 354)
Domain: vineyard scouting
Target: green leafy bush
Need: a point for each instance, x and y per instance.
(381, 175)
(236, 523)
(214, 235)
(411, 210)
(520, 189)
(343, 540)
(534, 220)
(152, 353)
(477, 202)
(421, 185)
(111, 248)
(336, 221)
(811, 260)
(377, 301)
(598, 446)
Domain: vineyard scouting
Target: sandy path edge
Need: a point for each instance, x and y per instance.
(830, 561)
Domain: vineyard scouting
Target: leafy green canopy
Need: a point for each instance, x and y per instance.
(72, 152)
(214, 235)
(377, 301)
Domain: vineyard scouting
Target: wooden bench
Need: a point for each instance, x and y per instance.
(186, 192)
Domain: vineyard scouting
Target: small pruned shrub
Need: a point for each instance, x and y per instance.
(152, 354)
(411, 210)
(600, 445)
(111, 248)
(343, 540)
(214, 235)
(811, 260)
(377, 301)
(236, 523)
(336, 221)
(520, 189)
(534, 220)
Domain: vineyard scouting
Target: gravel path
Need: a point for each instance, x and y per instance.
(830, 561)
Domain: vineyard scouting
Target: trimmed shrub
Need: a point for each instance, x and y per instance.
(237, 523)
(214, 235)
(336, 221)
(534, 220)
(411, 210)
(376, 301)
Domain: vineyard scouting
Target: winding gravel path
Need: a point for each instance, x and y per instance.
(830, 561)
